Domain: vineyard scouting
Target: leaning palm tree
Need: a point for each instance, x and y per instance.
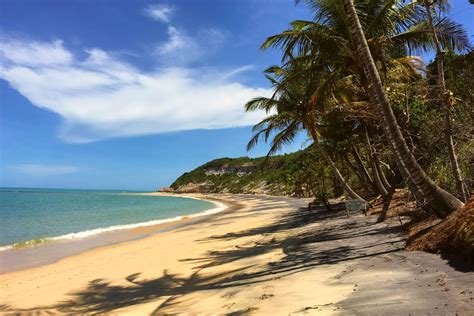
(442, 201)
(394, 29)
(289, 115)
(443, 94)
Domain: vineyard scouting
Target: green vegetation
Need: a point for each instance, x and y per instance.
(378, 117)
(350, 80)
(290, 174)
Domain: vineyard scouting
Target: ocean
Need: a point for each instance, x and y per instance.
(35, 216)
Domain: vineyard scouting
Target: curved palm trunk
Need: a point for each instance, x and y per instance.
(337, 174)
(349, 191)
(441, 201)
(460, 185)
(366, 182)
(416, 192)
(375, 171)
(364, 171)
(382, 173)
(386, 205)
(378, 181)
(414, 189)
(356, 171)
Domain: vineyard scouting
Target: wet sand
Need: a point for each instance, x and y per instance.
(49, 252)
(266, 255)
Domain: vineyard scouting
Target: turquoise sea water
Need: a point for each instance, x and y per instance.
(34, 214)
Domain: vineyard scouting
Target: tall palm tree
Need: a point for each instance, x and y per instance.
(444, 97)
(441, 201)
(289, 107)
(394, 29)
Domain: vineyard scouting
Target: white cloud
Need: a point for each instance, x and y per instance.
(181, 49)
(45, 170)
(238, 71)
(101, 96)
(214, 35)
(35, 53)
(159, 12)
(176, 41)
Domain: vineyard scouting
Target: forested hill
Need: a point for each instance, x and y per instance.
(278, 175)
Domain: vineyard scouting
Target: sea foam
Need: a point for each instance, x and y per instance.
(92, 232)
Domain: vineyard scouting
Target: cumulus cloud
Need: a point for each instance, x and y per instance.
(159, 12)
(101, 96)
(45, 170)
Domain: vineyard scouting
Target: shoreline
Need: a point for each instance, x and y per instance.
(53, 249)
(266, 255)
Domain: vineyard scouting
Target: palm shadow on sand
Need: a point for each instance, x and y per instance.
(322, 237)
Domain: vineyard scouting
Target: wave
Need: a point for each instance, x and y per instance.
(88, 233)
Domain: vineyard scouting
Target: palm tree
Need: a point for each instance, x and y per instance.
(394, 30)
(289, 105)
(444, 98)
(441, 201)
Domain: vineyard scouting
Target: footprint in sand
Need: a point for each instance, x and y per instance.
(264, 297)
(228, 295)
(228, 306)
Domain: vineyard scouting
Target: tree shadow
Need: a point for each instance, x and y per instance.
(317, 238)
(294, 219)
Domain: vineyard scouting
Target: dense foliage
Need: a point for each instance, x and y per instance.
(290, 174)
(379, 118)
(459, 73)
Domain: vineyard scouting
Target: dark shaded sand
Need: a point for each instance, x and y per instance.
(270, 256)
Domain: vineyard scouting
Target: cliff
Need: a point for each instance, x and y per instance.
(278, 175)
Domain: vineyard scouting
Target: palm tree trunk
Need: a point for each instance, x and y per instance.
(416, 192)
(367, 183)
(381, 172)
(337, 174)
(349, 191)
(370, 180)
(440, 200)
(375, 171)
(361, 165)
(354, 168)
(460, 185)
(386, 205)
(378, 182)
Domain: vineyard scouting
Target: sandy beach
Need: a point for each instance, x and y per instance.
(263, 256)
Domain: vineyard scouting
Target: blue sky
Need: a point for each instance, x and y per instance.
(130, 94)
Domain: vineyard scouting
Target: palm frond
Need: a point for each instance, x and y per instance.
(284, 137)
(261, 103)
(418, 38)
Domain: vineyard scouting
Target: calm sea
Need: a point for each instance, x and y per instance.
(30, 216)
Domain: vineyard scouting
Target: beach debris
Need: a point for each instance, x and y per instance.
(264, 297)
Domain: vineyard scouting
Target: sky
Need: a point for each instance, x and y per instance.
(102, 94)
